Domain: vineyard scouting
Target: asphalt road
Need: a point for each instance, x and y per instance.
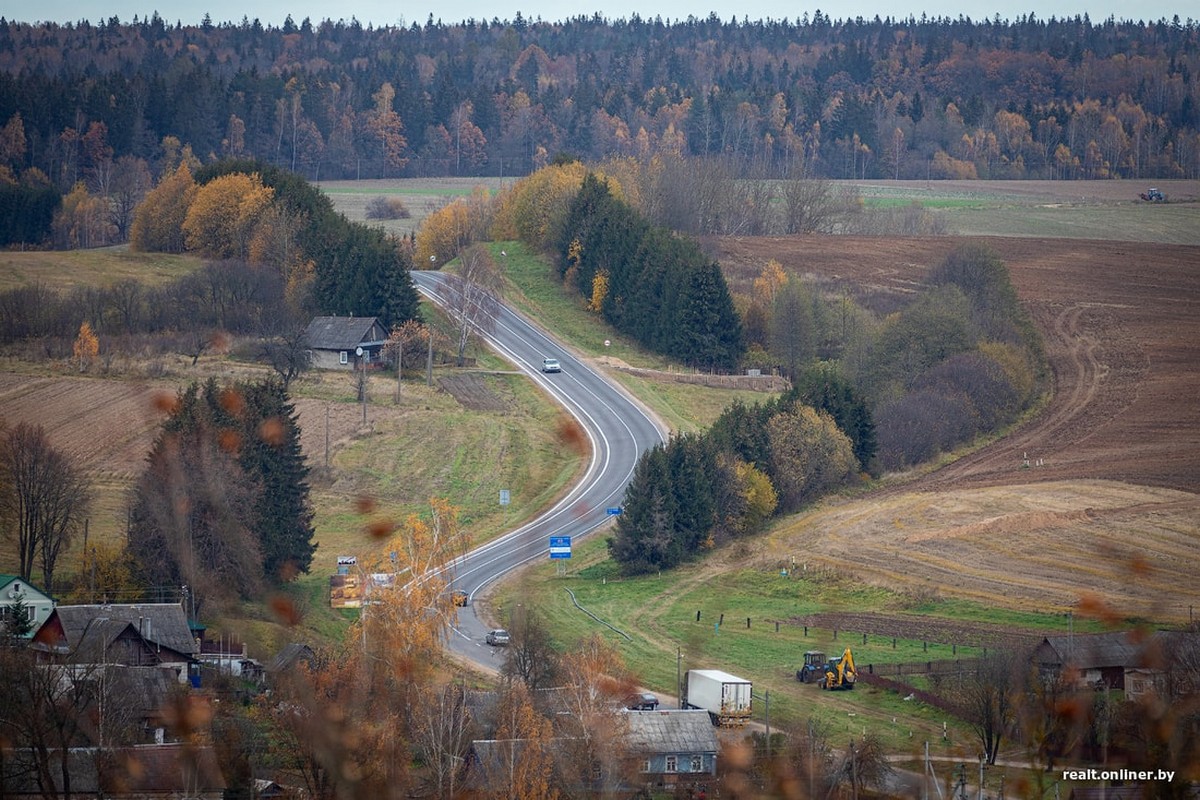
(618, 431)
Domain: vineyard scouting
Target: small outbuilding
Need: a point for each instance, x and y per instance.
(334, 342)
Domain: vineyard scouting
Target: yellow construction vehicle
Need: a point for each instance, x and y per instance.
(840, 674)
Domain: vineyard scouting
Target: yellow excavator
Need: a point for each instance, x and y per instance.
(840, 673)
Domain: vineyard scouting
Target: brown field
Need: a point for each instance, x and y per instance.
(1107, 509)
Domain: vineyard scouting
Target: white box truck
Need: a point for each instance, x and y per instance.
(725, 697)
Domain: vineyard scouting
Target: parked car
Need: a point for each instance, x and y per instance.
(551, 365)
(497, 638)
(642, 701)
(459, 597)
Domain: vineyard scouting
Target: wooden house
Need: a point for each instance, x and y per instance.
(334, 342)
(134, 635)
(671, 746)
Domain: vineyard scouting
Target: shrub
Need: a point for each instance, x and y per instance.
(380, 207)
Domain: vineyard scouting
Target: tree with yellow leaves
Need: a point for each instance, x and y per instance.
(87, 346)
(595, 732)
(222, 216)
(528, 210)
(523, 749)
(158, 220)
(599, 291)
(404, 624)
(106, 574)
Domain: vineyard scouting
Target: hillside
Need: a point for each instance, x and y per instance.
(1106, 504)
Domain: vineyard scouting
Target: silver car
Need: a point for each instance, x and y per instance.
(497, 638)
(551, 365)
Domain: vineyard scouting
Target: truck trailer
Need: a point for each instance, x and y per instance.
(725, 697)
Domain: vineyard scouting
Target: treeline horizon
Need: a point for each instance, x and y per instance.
(883, 98)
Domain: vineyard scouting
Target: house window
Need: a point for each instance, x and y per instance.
(645, 765)
(344, 358)
(697, 763)
(672, 764)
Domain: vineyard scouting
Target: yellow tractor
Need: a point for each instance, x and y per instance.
(840, 673)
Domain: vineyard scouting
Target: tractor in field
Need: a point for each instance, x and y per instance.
(833, 673)
(840, 674)
(1153, 195)
(813, 669)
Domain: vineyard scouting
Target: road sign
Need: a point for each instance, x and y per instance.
(505, 497)
(612, 512)
(560, 546)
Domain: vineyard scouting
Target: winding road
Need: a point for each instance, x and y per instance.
(618, 430)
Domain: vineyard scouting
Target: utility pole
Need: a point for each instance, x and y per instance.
(400, 365)
(362, 385)
(678, 676)
(429, 361)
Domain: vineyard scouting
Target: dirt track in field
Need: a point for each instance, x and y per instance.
(1107, 509)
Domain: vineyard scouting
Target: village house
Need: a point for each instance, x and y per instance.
(672, 746)
(1134, 662)
(133, 635)
(334, 342)
(15, 593)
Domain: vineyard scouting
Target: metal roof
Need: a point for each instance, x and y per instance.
(158, 623)
(671, 731)
(343, 333)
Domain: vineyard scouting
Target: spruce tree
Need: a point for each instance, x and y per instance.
(270, 456)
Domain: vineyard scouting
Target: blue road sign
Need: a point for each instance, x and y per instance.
(560, 546)
(612, 512)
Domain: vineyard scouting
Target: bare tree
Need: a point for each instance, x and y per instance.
(130, 180)
(863, 763)
(44, 494)
(811, 206)
(45, 710)
(442, 734)
(474, 296)
(531, 658)
(287, 354)
(988, 699)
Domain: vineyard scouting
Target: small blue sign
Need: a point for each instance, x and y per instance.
(560, 546)
(612, 512)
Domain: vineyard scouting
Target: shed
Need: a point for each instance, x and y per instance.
(334, 341)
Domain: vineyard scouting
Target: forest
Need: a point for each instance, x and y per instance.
(883, 98)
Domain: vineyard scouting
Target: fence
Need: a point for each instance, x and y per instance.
(938, 667)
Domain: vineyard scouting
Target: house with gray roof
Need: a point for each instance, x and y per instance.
(135, 635)
(1105, 660)
(333, 342)
(672, 746)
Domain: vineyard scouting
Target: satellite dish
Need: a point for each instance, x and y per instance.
(358, 351)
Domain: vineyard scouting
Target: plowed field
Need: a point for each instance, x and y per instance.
(1106, 510)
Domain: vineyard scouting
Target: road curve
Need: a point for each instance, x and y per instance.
(618, 430)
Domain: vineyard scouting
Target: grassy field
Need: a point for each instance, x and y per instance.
(659, 631)
(62, 270)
